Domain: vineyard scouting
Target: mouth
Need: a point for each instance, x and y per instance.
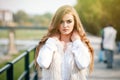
(65, 30)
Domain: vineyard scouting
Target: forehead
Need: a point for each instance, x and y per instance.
(67, 16)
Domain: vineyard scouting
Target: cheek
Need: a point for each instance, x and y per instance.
(60, 29)
(72, 27)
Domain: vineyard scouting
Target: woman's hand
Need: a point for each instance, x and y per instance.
(75, 36)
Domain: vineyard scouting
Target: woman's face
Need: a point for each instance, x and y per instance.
(66, 24)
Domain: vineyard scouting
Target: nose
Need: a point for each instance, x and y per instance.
(65, 24)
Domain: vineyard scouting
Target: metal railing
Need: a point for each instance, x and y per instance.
(9, 67)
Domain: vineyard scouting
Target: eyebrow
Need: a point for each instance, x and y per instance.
(67, 20)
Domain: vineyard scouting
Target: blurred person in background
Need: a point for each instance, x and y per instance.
(101, 55)
(65, 53)
(109, 34)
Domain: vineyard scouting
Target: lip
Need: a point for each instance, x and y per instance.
(65, 29)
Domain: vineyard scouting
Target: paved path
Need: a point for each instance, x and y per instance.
(102, 73)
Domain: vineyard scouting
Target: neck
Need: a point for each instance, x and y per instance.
(65, 38)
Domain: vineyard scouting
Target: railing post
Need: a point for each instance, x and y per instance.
(10, 72)
(36, 76)
(27, 66)
(12, 46)
(36, 73)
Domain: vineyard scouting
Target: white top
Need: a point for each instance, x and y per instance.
(109, 38)
(76, 54)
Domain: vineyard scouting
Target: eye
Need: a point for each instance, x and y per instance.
(69, 21)
(61, 22)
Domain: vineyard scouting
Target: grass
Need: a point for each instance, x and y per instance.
(24, 34)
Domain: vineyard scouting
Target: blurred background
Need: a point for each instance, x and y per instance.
(29, 20)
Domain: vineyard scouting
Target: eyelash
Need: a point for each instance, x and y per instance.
(68, 21)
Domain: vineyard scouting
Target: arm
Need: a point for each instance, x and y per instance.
(81, 54)
(46, 52)
(80, 51)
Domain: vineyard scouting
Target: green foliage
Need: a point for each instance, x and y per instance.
(111, 10)
(43, 20)
(22, 18)
(0, 22)
(95, 14)
(88, 14)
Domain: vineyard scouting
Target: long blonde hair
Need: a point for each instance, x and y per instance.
(54, 29)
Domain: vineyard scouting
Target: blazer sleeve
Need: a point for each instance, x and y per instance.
(81, 54)
(46, 53)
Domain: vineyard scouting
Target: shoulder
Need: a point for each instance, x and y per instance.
(50, 39)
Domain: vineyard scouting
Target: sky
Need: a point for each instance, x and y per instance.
(34, 6)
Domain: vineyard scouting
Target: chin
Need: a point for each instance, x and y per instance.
(66, 33)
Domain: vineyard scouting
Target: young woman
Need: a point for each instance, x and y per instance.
(65, 53)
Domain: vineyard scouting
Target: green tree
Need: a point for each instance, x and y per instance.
(42, 20)
(21, 17)
(95, 14)
(111, 9)
(88, 11)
